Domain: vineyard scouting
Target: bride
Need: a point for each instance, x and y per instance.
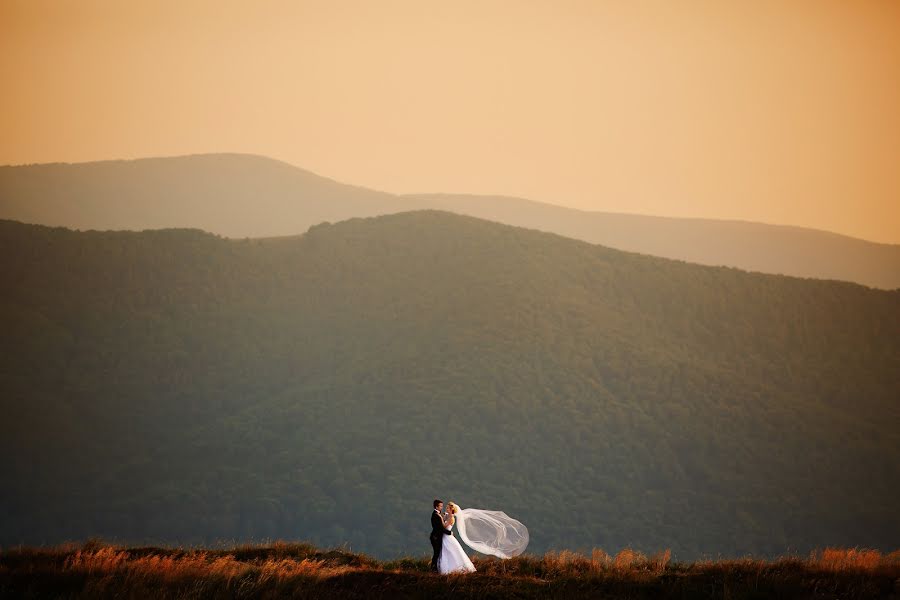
(487, 531)
(453, 557)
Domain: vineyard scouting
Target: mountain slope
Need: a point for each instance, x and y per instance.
(235, 195)
(176, 386)
(795, 251)
(242, 195)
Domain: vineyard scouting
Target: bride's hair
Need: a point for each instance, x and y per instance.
(453, 508)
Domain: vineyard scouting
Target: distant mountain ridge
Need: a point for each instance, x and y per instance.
(172, 386)
(240, 196)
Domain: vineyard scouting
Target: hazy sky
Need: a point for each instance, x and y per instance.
(782, 112)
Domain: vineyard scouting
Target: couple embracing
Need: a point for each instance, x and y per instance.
(487, 531)
(449, 556)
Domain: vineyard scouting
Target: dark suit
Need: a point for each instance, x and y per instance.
(437, 540)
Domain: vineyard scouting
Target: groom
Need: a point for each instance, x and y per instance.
(437, 533)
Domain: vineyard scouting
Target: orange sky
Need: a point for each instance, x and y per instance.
(782, 112)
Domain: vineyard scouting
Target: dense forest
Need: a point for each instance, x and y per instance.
(241, 195)
(173, 386)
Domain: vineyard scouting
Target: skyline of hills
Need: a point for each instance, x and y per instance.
(251, 196)
(172, 386)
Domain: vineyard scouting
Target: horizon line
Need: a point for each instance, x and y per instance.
(458, 194)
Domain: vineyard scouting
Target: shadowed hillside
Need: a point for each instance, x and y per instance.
(796, 251)
(243, 195)
(174, 386)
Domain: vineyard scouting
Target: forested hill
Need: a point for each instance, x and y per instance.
(174, 386)
(239, 195)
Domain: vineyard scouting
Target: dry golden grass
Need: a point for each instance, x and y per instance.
(841, 559)
(110, 561)
(300, 570)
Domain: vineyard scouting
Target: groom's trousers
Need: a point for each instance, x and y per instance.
(436, 545)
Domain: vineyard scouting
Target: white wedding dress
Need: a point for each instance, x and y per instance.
(453, 557)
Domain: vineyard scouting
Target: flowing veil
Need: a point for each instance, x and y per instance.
(491, 532)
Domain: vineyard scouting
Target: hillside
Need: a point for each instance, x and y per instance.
(173, 386)
(796, 251)
(250, 196)
(235, 195)
(297, 570)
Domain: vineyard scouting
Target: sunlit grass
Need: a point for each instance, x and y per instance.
(301, 570)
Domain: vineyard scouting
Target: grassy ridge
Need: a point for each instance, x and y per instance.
(304, 571)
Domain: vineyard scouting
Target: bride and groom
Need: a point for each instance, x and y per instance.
(486, 531)
(449, 556)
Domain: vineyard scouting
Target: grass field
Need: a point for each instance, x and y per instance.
(294, 570)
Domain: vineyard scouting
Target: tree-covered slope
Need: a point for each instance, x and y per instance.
(239, 195)
(175, 386)
(780, 249)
